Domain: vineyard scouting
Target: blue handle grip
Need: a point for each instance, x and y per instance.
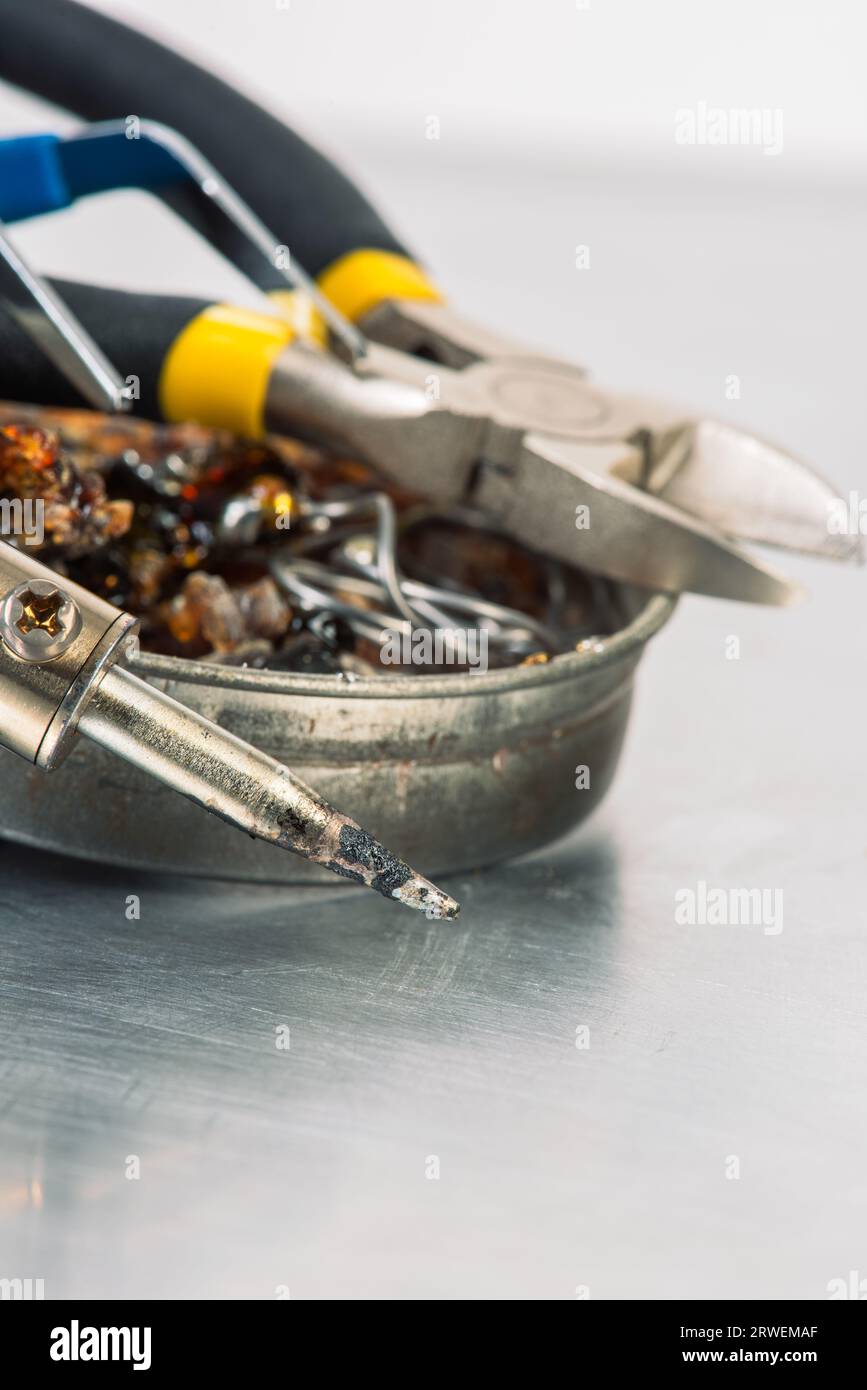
(31, 177)
(43, 173)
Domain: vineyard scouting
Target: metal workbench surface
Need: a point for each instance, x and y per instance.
(436, 1121)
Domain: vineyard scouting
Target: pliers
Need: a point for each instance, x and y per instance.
(46, 172)
(629, 487)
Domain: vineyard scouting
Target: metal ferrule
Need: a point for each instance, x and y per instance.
(42, 697)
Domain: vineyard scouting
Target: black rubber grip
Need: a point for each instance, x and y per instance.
(102, 70)
(135, 332)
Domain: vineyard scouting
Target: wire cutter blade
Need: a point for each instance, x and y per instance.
(751, 490)
(565, 497)
(573, 470)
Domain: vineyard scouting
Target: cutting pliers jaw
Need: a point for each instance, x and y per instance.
(738, 486)
(717, 484)
(565, 498)
(625, 486)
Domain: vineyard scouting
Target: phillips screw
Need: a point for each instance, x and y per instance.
(38, 621)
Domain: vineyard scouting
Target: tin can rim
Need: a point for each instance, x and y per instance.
(605, 651)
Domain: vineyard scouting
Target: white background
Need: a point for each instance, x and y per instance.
(567, 79)
(517, 88)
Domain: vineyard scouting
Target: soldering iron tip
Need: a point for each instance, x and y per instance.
(432, 901)
(357, 855)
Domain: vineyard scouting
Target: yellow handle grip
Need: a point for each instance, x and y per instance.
(360, 281)
(217, 370)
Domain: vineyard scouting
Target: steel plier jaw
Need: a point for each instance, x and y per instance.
(630, 487)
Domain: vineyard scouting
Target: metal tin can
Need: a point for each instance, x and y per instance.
(454, 771)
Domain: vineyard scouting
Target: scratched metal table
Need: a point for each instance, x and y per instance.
(432, 1129)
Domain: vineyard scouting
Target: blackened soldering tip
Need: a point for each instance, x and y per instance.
(355, 854)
